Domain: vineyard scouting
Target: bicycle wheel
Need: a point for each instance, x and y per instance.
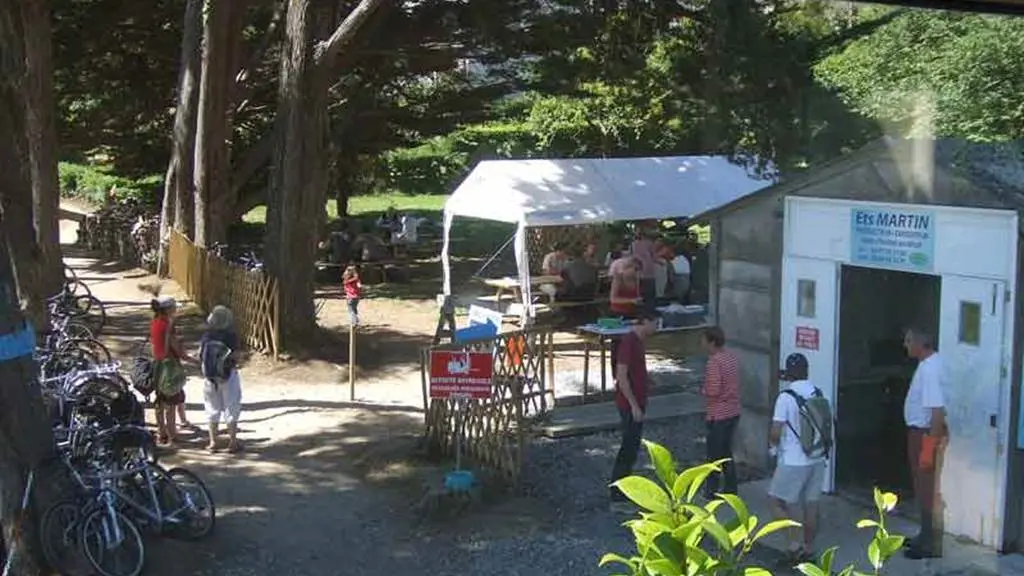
(79, 331)
(185, 498)
(93, 347)
(58, 533)
(69, 274)
(112, 544)
(89, 310)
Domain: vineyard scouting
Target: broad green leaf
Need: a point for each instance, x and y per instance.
(808, 569)
(712, 527)
(671, 548)
(874, 555)
(773, 527)
(645, 494)
(888, 545)
(664, 465)
(868, 523)
(667, 520)
(663, 567)
(879, 502)
(697, 555)
(740, 507)
(828, 558)
(615, 559)
(755, 571)
(889, 501)
(691, 480)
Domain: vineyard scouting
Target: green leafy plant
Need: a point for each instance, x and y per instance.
(675, 535)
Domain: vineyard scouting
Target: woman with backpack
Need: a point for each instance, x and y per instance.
(222, 393)
(169, 373)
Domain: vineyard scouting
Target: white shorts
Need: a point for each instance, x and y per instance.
(798, 484)
(223, 400)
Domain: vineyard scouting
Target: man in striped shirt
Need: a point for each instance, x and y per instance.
(722, 397)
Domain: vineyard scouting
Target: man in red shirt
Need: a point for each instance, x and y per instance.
(631, 387)
(722, 396)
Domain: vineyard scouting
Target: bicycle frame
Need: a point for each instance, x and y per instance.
(109, 495)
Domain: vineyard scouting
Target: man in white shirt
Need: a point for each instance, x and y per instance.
(799, 478)
(681, 269)
(925, 414)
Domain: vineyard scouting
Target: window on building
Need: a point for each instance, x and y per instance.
(805, 298)
(970, 323)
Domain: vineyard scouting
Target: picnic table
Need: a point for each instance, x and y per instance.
(511, 284)
(594, 335)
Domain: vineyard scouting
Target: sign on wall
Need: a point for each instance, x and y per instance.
(893, 238)
(456, 374)
(807, 337)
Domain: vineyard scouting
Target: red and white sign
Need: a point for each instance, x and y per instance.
(807, 337)
(456, 374)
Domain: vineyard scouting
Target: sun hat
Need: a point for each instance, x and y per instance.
(220, 318)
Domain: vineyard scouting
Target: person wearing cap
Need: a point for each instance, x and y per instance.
(222, 397)
(168, 354)
(925, 415)
(798, 477)
(722, 398)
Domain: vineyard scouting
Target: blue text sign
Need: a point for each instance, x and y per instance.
(892, 238)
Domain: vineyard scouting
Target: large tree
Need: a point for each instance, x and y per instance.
(298, 187)
(25, 436)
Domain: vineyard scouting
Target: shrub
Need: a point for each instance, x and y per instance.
(91, 183)
(675, 535)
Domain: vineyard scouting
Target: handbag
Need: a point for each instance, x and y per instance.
(170, 377)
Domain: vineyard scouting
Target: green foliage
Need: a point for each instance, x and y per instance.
(964, 73)
(93, 183)
(675, 535)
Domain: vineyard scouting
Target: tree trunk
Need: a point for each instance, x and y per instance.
(298, 186)
(42, 137)
(177, 202)
(25, 436)
(212, 148)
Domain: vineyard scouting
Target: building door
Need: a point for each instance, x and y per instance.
(810, 294)
(972, 346)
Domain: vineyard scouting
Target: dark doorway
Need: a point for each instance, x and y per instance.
(876, 307)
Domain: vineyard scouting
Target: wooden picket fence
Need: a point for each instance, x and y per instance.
(210, 280)
(495, 431)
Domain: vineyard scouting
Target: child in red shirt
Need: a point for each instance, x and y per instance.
(353, 289)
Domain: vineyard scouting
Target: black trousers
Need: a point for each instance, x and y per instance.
(632, 433)
(719, 440)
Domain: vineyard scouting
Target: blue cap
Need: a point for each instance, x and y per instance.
(796, 366)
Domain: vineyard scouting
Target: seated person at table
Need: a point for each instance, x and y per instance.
(579, 279)
(618, 251)
(590, 255)
(370, 248)
(553, 265)
(625, 292)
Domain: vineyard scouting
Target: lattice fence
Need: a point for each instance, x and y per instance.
(209, 280)
(543, 239)
(494, 431)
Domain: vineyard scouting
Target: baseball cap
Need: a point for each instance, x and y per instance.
(796, 366)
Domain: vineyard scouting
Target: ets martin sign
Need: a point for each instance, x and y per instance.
(892, 238)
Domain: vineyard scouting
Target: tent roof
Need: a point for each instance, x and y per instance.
(581, 191)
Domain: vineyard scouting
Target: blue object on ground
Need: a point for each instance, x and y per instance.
(476, 332)
(459, 481)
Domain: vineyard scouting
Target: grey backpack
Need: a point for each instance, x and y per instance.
(815, 424)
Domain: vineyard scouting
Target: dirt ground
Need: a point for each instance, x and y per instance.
(328, 486)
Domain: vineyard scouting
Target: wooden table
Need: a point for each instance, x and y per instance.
(592, 335)
(510, 284)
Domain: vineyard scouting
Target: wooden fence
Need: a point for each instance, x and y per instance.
(210, 280)
(495, 431)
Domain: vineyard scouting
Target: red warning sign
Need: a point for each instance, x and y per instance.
(460, 374)
(807, 337)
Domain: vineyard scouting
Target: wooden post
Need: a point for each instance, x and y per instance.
(352, 363)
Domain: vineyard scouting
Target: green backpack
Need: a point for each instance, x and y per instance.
(815, 424)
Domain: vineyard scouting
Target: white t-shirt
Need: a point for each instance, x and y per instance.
(681, 264)
(787, 413)
(925, 393)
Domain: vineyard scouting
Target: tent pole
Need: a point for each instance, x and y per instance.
(523, 264)
(445, 247)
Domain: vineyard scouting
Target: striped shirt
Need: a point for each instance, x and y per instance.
(722, 386)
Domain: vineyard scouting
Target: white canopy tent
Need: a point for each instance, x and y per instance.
(591, 191)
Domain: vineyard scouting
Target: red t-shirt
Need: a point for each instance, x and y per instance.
(722, 386)
(158, 337)
(352, 288)
(633, 354)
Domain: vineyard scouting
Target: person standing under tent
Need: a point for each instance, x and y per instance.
(924, 411)
(722, 396)
(643, 252)
(631, 389)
